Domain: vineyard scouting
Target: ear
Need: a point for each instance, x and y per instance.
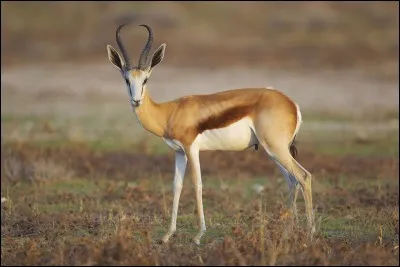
(158, 56)
(115, 58)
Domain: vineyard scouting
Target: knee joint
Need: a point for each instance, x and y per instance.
(178, 185)
(198, 187)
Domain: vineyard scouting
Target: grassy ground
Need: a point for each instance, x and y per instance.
(103, 202)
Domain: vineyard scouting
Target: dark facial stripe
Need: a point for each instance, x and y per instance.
(224, 119)
(129, 87)
(144, 83)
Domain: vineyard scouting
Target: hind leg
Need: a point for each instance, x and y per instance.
(307, 194)
(275, 126)
(280, 153)
(294, 187)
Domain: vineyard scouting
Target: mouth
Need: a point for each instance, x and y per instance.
(135, 103)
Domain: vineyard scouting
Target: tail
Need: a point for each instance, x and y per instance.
(293, 148)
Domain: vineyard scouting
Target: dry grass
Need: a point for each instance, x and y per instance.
(39, 171)
(115, 214)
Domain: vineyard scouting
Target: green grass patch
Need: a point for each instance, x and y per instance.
(357, 228)
(75, 186)
(387, 147)
(59, 207)
(323, 116)
(350, 143)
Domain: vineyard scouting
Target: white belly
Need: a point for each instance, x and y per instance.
(237, 136)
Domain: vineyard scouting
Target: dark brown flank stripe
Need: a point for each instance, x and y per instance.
(224, 119)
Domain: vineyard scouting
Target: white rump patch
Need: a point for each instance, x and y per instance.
(299, 120)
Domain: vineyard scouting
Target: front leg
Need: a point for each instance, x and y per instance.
(180, 167)
(194, 160)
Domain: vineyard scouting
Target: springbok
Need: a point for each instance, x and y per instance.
(229, 120)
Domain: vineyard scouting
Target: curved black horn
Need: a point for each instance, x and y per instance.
(145, 53)
(122, 47)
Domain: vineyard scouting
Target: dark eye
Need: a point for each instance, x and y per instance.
(145, 81)
(127, 81)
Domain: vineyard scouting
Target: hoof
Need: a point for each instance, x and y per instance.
(196, 241)
(311, 233)
(165, 238)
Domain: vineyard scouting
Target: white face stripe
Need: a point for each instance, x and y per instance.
(135, 85)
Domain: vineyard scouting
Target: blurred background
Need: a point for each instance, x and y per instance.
(338, 60)
(297, 35)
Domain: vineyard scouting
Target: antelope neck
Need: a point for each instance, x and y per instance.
(151, 115)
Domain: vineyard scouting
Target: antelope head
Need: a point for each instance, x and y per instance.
(135, 77)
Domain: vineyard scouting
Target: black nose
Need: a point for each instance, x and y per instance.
(135, 102)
